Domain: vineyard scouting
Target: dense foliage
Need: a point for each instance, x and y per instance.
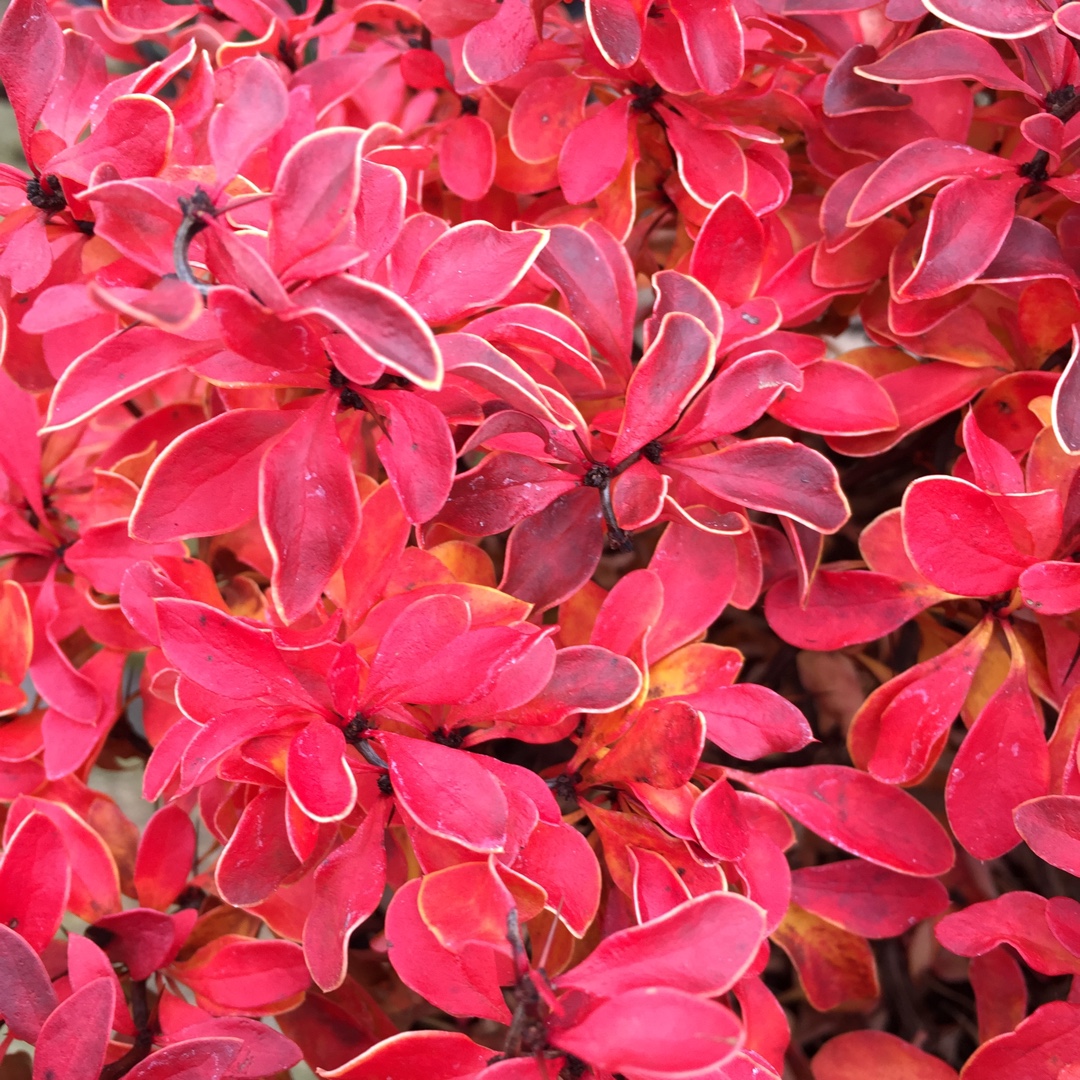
(427, 466)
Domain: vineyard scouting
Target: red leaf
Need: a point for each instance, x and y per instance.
(739, 395)
(417, 451)
(751, 721)
(1015, 19)
(1000, 992)
(658, 888)
(469, 267)
(834, 965)
(1003, 761)
(595, 289)
(859, 814)
(915, 167)
(1017, 919)
(35, 877)
(616, 28)
(448, 793)
(416, 1055)
(594, 152)
(134, 136)
(73, 1040)
(255, 861)
(496, 48)
(673, 369)
(309, 507)
(903, 723)
(1052, 588)
(866, 899)
(349, 885)
(701, 947)
(143, 940)
(27, 997)
(191, 1059)
(315, 194)
(944, 54)
(464, 905)
(718, 822)
(206, 481)
(1066, 401)
(543, 115)
(844, 607)
(560, 860)
(968, 222)
(116, 368)
(95, 885)
(31, 60)
(377, 320)
(503, 489)
(662, 747)
(467, 157)
(959, 539)
(654, 1032)
(571, 525)
(165, 857)
(223, 654)
(1051, 827)
(413, 645)
(857, 1054)
(235, 974)
(462, 983)
(836, 399)
(774, 475)
(317, 775)
(1038, 1049)
(255, 106)
(713, 37)
(728, 251)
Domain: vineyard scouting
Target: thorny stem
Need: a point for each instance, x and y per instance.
(196, 210)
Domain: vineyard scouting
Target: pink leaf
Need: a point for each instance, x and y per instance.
(191, 1059)
(206, 481)
(315, 195)
(255, 106)
(859, 814)
(1050, 825)
(774, 475)
(309, 508)
(35, 876)
(866, 899)
(377, 320)
(417, 451)
(941, 55)
(1003, 761)
(448, 793)
(1018, 919)
(856, 1054)
(317, 775)
(31, 60)
(72, 1042)
(471, 266)
(915, 167)
(1036, 1049)
(348, 887)
(594, 152)
(467, 157)
(27, 997)
(654, 1032)
(702, 947)
(673, 369)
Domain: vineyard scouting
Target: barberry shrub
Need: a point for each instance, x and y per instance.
(526, 491)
